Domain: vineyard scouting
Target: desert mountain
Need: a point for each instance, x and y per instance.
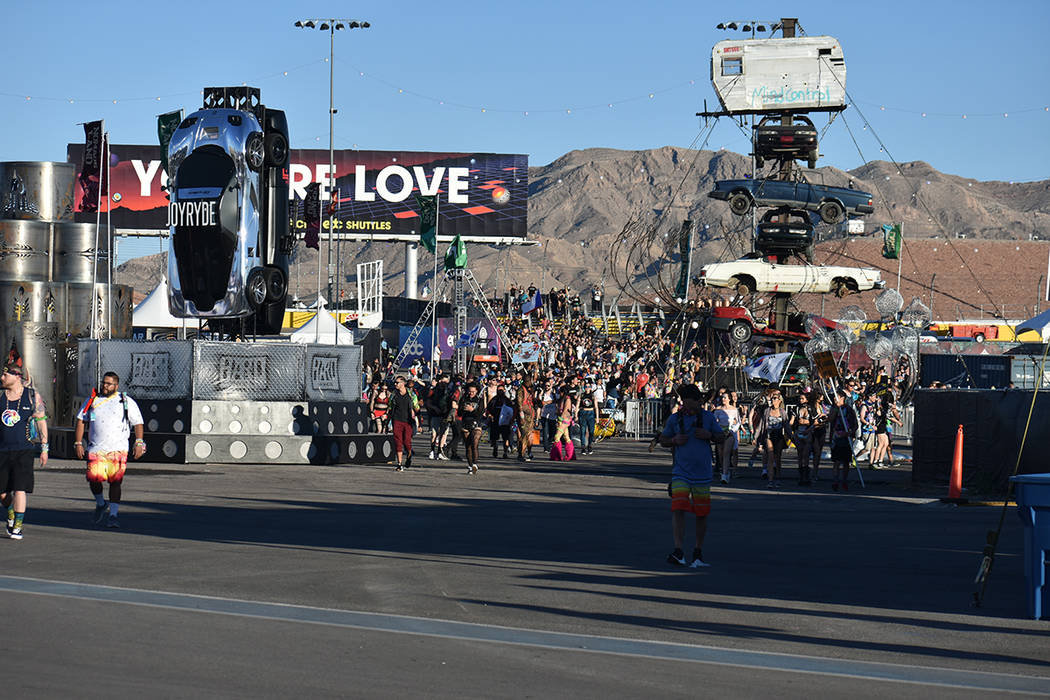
(579, 204)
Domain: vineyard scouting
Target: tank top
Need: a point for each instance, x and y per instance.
(14, 422)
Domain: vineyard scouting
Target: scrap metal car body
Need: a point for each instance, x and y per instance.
(751, 275)
(833, 204)
(775, 237)
(228, 214)
(785, 142)
(741, 325)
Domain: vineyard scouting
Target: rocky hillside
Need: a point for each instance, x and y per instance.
(579, 204)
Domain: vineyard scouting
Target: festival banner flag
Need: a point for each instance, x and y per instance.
(312, 215)
(456, 256)
(470, 338)
(891, 241)
(166, 125)
(768, 367)
(428, 221)
(532, 304)
(91, 171)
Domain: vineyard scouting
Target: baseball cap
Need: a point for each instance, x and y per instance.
(13, 369)
(690, 391)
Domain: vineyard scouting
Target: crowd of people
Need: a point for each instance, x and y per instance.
(579, 368)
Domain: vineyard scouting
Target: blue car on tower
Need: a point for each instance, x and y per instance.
(832, 204)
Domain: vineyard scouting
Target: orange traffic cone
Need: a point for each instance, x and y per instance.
(955, 478)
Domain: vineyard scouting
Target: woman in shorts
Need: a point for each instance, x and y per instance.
(728, 418)
(470, 415)
(380, 405)
(802, 430)
(773, 426)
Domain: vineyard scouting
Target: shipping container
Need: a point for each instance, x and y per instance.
(967, 371)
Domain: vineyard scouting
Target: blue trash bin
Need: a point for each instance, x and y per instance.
(1033, 505)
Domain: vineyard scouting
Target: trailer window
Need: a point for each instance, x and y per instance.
(732, 65)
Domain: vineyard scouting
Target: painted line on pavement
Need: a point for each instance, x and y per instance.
(473, 632)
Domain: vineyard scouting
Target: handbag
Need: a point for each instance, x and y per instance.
(32, 434)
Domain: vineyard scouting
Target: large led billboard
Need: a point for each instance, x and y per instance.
(482, 195)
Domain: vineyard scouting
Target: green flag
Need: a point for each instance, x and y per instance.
(166, 125)
(456, 257)
(428, 221)
(891, 241)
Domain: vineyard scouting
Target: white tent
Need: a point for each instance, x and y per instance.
(323, 328)
(153, 311)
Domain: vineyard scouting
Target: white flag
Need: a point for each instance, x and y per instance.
(768, 367)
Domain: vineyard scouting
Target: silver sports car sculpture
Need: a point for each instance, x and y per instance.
(228, 212)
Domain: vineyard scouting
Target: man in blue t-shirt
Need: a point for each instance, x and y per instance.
(689, 433)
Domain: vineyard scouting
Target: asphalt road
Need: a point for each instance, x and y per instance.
(538, 580)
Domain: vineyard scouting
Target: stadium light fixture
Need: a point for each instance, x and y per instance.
(330, 25)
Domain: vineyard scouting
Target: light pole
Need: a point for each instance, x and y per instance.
(331, 25)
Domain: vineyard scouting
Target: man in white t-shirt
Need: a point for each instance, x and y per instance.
(110, 416)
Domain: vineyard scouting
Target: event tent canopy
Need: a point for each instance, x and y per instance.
(323, 328)
(153, 311)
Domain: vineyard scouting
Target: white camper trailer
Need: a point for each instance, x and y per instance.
(764, 75)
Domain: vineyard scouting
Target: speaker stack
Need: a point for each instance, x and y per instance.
(53, 275)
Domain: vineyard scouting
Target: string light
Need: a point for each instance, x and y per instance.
(485, 110)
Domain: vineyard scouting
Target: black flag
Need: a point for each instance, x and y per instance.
(312, 214)
(91, 171)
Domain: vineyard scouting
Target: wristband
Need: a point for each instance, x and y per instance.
(140, 441)
(43, 447)
(78, 444)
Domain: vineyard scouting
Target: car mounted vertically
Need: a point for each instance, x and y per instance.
(228, 212)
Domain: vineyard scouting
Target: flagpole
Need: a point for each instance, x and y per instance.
(900, 258)
(98, 223)
(109, 257)
(434, 287)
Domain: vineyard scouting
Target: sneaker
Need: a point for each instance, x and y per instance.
(14, 533)
(725, 480)
(100, 512)
(10, 519)
(765, 474)
(776, 484)
(676, 558)
(431, 455)
(470, 469)
(473, 469)
(399, 468)
(441, 457)
(770, 485)
(698, 560)
(113, 522)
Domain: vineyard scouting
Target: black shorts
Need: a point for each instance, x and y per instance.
(16, 470)
(841, 451)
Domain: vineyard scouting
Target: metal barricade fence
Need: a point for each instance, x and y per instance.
(644, 418)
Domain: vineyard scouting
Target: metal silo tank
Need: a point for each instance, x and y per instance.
(24, 249)
(38, 190)
(75, 307)
(73, 256)
(36, 344)
(29, 301)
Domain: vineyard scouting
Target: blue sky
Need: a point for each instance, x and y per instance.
(430, 69)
